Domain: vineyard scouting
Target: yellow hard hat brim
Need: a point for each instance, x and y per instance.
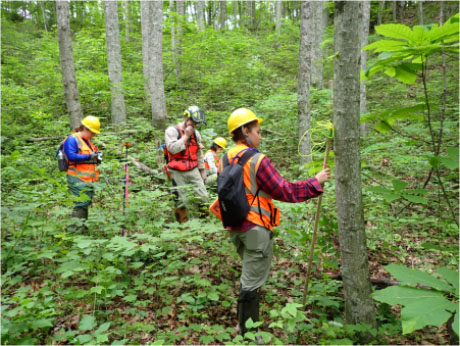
(259, 120)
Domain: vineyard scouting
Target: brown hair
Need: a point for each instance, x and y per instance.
(238, 133)
(79, 128)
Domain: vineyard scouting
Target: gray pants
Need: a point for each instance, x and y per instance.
(197, 189)
(255, 248)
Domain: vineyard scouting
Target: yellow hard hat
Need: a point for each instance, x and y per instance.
(221, 142)
(240, 117)
(92, 123)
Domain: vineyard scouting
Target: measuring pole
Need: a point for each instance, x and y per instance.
(125, 192)
(315, 228)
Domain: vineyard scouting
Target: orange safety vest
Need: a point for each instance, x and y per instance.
(216, 159)
(84, 170)
(263, 211)
(187, 159)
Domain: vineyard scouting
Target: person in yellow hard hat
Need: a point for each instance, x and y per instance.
(253, 236)
(211, 159)
(83, 158)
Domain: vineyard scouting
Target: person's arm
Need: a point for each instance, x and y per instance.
(272, 183)
(71, 150)
(209, 158)
(173, 144)
(199, 154)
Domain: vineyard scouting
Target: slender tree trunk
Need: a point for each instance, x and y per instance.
(215, 23)
(114, 61)
(303, 87)
(252, 15)
(359, 307)
(278, 9)
(127, 20)
(42, 8)
(320, 18)
(200, 15)
(235, 13)
(364, 41)
(67, 66)
(146, 27)
(156, 66)
(180, 7)
(380, 12)
(420, 12)
(395, 7)
(223, 14)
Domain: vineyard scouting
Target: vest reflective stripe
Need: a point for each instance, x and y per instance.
(187, 159)
(263, 211)
(86, 171)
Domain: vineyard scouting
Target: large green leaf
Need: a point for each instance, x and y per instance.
(415, 199)
(400, 31)
(451, 277)
(87, 323)
(424, 312)
(401, 295)
(443, 32)
(414, 276)
(398, 185)
(385, 45)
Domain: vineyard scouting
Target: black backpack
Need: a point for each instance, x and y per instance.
(234, 206)
(63, 164)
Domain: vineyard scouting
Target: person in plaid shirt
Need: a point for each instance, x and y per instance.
(253, 239)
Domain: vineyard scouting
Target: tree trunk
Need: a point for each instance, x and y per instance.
(278, 9)
(420, 13)
(235, 13)
(223, 14)
(303, 87)
(146, 27)
(112, 33)
(380, 12)
(359, 307)
(200, 15)
(320, 19)
(395, 7)
(156, 66)
(364, 41)
(125, 5)
(180, 7)
(215, 23)
(66, 59)
(252, 15)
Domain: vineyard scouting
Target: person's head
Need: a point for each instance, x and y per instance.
(244, 126)
(219, 144)
(194, 116)
(90, 126)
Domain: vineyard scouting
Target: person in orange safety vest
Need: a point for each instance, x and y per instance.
(82, 157)
(253, 238)
(211, 159)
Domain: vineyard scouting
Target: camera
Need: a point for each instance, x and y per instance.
(99, 157)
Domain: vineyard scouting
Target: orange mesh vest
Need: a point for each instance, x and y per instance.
(216, 160)
(84, 170)
(263, 211)
(187, 159)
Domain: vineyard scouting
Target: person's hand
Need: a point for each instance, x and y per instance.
(324, 175)
(93, 156)
(188, 131)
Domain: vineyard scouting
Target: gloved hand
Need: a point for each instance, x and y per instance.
(93, 156)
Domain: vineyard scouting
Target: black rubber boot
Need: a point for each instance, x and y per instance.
(248, 307)
(81, 213)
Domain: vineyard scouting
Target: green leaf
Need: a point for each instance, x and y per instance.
(455, 323)
(414, 276)
(102, 328)
(403, 295)
(96, 289)
(292, 308)
(86, 323)
(398, 184)
(213, 296)
(42, 323)
(425, 312)
(85, 338)
(385, 45)
(405, 74)
(383, 126)
(396, 31)
(451, 277)
(158, 342)
(415, 199)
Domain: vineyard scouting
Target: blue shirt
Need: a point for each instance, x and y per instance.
(71, 150)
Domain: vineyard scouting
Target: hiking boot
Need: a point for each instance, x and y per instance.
(181, 214)
(248, 307)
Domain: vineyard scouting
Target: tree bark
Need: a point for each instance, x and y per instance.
(156, 66)
(200, 14)
(320, 19)
(420, 13)
(380, 12)
(303, 86)
(359, 307)
(67, 66)
(223, 14)
(395, 7)
(127, 18)
(364, 41)
(114, 61)
(145, 27)
(278, 9)
(180, 8)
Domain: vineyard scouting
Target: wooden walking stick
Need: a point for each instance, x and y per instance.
(315, 229)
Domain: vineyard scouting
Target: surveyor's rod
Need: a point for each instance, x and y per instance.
(315, 228)
(125, 192)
